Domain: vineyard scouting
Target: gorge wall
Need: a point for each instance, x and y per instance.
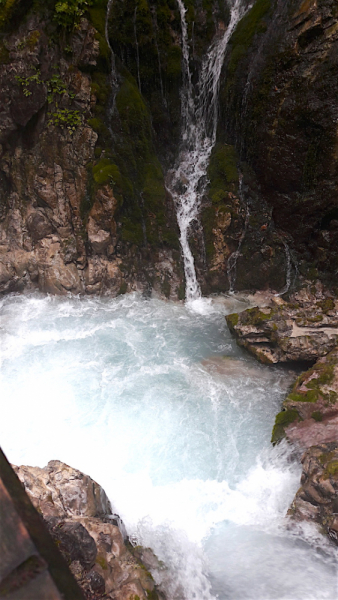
(85, 148)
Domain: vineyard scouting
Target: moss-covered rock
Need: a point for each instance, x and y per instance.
(283, 419)
(316, 500)
(291, 332)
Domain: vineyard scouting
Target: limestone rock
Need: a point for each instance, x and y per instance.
(310, 411)
(60, 490)
(302, 330)
(78, 515)
(317, 498)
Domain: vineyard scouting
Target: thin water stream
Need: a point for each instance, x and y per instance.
(157, 403)
(187, 181)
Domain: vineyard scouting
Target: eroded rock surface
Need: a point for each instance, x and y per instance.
(317, 499)
(78, 515)
(65, 208)
(310, 411)
(303, 329)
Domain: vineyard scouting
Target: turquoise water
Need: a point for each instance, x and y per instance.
(157, 403)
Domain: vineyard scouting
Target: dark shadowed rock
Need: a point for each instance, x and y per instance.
(74, 541)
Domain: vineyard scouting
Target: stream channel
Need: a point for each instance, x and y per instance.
(156, 402)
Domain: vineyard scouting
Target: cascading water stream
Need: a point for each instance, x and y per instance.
(187, 180)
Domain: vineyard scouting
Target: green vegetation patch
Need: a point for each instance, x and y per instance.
(251, 24)
(283, 419)
(256, 316)
(317, 416)
(106, 171)
(326, 305)
(97, 14)
(310, 396)
(100, 560)
(65, 119)
(331, 470)
(222, 172)
(6, 8)
(135, 156)
(232, 320)
(27, 82)
(68, 13)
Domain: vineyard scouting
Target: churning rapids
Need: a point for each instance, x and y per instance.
(157, 403)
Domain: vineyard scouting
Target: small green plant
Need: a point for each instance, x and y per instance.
(57, 87)
(68, 13)
(66, 119)
(6, 7)
(26, 82)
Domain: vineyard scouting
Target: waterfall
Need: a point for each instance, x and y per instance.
(187, 180)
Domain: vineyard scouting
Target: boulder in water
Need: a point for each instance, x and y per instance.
(78, 515)
(303, 329)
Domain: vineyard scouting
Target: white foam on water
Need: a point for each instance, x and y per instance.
(138, 394)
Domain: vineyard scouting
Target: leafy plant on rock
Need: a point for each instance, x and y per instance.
(66, 119)
(68, 13)
(26, 82)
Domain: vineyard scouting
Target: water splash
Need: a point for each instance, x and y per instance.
(187, 181)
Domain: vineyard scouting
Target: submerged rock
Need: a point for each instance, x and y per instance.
(79, 517)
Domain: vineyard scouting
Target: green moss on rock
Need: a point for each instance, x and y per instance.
(6, 8)
(222, 172)
(331, 470)
(256, 316)
(283, 419)
(311, 396)
(251, 24)
(105, 171)
(232, 320)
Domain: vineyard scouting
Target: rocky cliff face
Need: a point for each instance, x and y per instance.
(279, 111)
(84, 206)
(71, 220)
